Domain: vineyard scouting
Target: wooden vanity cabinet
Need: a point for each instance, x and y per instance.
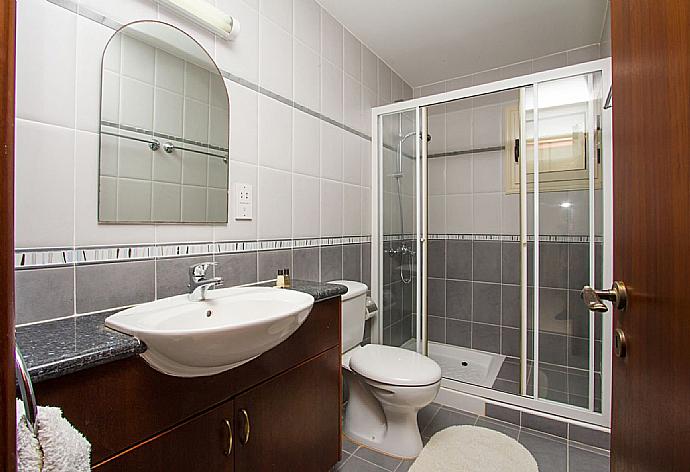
(283, 409)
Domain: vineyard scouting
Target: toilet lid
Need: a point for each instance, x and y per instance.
(394, 366)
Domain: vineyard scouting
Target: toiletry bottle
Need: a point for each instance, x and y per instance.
(280, 280)
(286, 278)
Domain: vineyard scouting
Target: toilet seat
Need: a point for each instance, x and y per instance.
(393, 366)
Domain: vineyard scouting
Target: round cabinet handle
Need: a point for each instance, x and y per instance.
(228, 451)
(244, 439)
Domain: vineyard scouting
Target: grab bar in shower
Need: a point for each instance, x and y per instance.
(26, 389)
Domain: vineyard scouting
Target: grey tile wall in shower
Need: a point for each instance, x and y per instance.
(474, 301)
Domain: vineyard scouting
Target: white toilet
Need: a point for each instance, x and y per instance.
(387, 385)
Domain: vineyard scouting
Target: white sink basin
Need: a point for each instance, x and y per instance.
(232, 326)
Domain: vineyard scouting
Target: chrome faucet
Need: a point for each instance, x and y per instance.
(198, 283)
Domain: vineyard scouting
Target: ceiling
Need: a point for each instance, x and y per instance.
(427, 41)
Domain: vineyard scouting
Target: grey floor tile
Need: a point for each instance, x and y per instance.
(404, 466)
(582, 460)
(425, 415)
(377, 458)
(445, 418)
(550, 453)
(590, 436)
(502, 413)
(349, 446)
(343, 458)
(355, 464)
(546, 425)
(500, 426)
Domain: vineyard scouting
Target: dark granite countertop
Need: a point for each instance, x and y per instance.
(67, 345)
(60, 347)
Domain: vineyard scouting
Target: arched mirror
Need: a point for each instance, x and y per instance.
(164, 130)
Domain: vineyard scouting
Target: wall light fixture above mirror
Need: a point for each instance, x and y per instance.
(164, 130)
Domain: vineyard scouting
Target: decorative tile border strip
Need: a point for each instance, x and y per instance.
(496, 237)
(92, 15)
(34, 258)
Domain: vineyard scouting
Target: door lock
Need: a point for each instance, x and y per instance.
(618, 295)
(619, 343)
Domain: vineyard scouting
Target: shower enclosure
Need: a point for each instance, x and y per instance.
(493, 211)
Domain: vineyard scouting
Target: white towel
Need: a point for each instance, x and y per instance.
(56, 447)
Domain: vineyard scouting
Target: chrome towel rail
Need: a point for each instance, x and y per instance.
(26, 389)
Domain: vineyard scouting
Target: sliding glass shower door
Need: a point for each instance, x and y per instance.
(488, 229)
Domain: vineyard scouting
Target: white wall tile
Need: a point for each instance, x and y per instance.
(331, 91)
(366, 211)
(307, 77)
(437, 176)
(196, 83)
(307, 23)
(306, 144)
(487, 213)
(396, 87)
(275, 134)
(331, 39)
(331, 152)
(168, 114)
(244, 123)
(193, 203)
(195, 120)
(91, 40)
(352, 209)
(135, 159)
(306, 200)
(199, 33)
(167, 167)
(486, 130)
(167, 199)
(370, 69)
(44, 180)
(365, 147)
(107, 200)
(459, 214)
(217, 173)
(459, 174)
(241, 55)
(437, 214)
(331, 208)
(110, 98)
(352, 102)
(278, 11)
(275, 204)
(123, 11)
(352, 159)
(216, 205)
(133, 200)
(487, 171)
(458, 127)
(169, 72)
(219, 127)
(275, 67)
(352, 55)
(46, 63)
(138, 59)
(369, 100)
(136, 103)
(510, 214)
(384, 90)
(194, 169)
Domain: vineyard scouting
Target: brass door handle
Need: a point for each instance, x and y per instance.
(618, 295)
(246, 428)
(228, 450)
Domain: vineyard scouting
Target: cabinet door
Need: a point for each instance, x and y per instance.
(293, 421)
(205, 442)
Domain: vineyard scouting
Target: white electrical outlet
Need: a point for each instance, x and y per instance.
(243, 201)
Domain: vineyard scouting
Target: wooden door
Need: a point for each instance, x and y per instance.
(651, 146)
(7, 382)
(206, 442)
(293, 421)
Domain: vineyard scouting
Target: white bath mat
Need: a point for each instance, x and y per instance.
(473, 449)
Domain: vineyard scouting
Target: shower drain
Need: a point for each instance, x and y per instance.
(464, 363)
